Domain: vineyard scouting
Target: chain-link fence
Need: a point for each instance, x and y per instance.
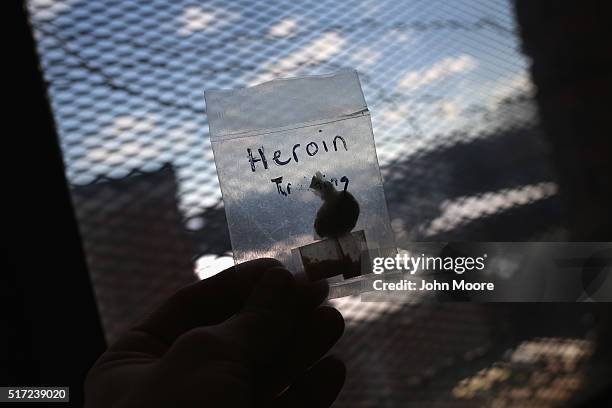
(454, 122)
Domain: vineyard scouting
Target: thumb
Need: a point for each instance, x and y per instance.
(264, 327)
(256, 336)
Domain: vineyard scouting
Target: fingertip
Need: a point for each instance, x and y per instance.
(278, 276)
(324, 328)
(331, 319)
(313, 294)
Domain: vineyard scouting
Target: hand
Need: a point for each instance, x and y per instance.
(247, 337)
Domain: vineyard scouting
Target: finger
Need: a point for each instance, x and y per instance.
(323, 330)
(325, 327)
(255, 337)
(312, 294)
(317, 388)
(207, 302)
(317, 336)
(263, 329)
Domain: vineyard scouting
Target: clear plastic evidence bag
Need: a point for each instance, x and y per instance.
(299, 175)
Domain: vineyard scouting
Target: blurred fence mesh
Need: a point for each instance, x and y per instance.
(454, 121)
